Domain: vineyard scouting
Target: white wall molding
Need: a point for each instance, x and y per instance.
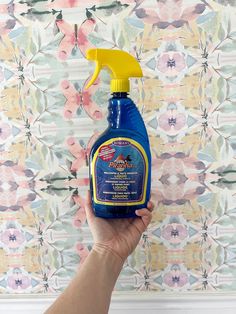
(127, 303)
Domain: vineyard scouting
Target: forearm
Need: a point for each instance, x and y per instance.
(90, 291)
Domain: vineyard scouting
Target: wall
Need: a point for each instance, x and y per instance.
(48, 123)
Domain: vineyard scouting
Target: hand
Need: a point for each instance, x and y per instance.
(119, 236)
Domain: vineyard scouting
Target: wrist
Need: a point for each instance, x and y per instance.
(109, 264)
(106, 251)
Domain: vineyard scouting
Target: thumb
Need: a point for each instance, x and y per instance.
(144, 220)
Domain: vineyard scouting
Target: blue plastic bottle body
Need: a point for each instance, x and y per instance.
(125, 121)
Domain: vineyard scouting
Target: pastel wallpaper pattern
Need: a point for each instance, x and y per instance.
(48, 122)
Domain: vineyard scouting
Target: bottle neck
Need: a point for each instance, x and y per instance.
(118, 110)
(123, 114)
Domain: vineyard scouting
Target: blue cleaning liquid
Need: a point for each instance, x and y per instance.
(120, 162)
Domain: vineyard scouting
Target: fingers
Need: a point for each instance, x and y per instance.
(146, 217)
(150, 206)
(88, 206)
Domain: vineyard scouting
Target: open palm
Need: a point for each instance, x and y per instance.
(120, 236)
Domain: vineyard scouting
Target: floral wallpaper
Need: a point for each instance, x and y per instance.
(48, 122)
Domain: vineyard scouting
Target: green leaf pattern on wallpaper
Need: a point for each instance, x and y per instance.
(48, 123)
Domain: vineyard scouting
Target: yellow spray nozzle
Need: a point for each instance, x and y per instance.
(121, 64)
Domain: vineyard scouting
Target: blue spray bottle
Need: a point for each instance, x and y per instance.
(120, 159)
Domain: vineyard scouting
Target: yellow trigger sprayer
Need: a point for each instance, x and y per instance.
(120, 159)
(121, 64)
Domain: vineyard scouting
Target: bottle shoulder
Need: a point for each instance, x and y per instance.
(118, 133)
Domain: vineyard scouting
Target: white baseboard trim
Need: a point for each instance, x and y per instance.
(126, 303)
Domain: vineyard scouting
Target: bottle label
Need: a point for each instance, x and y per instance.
(120, 171)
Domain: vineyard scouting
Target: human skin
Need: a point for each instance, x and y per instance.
(114, 240)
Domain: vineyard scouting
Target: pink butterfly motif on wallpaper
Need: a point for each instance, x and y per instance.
(83, 98)
(80, 216)
(79, 220)
(74, 37)
(83, 252)
(80, 153)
